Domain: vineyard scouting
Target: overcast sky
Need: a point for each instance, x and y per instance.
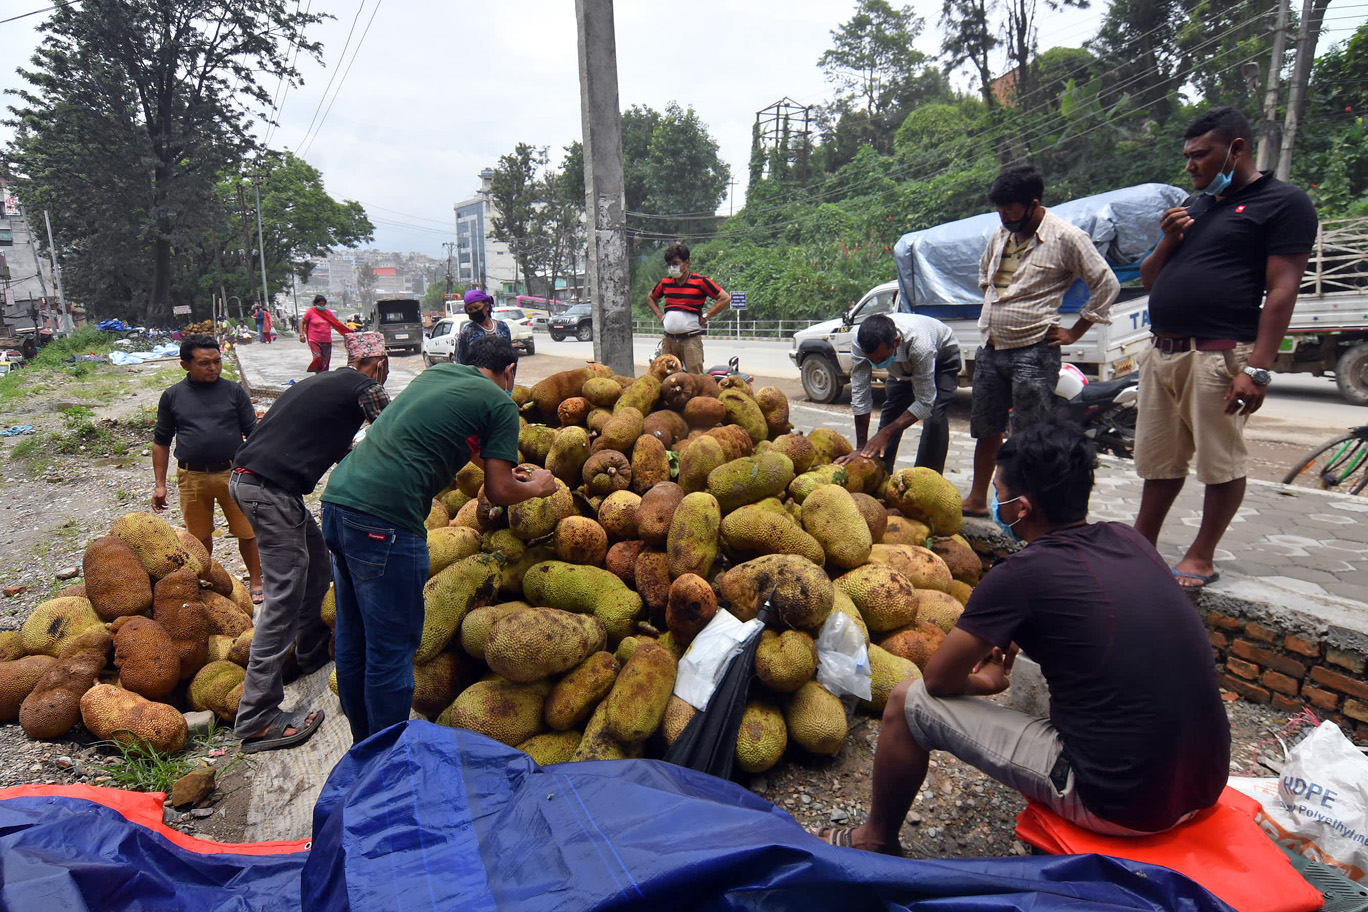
(439, 89)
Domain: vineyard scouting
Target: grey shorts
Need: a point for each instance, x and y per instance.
(1015, 382)
(1020, 751)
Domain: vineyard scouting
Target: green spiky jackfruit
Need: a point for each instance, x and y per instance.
(762, 737)
(447, 597)
(526, 646)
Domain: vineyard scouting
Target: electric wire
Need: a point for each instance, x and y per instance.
(340, 57)
(355, 53)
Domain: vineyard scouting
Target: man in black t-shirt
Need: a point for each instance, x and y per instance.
(1242, 242)
(1137, 740)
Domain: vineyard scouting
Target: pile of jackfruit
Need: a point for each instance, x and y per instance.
(156, 627)
(556, 626)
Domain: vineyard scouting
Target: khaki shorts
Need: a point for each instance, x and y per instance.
(198, 492)
(689, 350)
(1018, 750)
(1182, 413)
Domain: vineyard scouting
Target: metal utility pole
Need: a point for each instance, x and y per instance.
(1313, 11)
(261, 247)
(1268, 130)
(605, 195)
(451, 250)
(246, 248)
(56, 270)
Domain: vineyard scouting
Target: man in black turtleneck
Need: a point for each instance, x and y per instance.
(304, 434)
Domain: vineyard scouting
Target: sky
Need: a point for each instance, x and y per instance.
(429, 92)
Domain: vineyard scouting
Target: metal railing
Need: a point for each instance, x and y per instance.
(727, 327)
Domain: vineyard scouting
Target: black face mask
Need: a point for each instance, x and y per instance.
(477, 316)
(1017, 224)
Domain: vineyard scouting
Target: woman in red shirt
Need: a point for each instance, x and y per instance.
(316, 328)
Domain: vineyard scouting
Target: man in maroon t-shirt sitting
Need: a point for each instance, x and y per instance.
(685, 319)
(1137, 740)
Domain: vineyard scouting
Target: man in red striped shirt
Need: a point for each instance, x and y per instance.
(686, 294)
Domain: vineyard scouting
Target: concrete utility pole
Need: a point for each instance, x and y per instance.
(261, 248)
(1312, 14)
(1268, 130)
(605, 195)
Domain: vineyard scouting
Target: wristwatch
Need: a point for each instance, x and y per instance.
(1258, 375)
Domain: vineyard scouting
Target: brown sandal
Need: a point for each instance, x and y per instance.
(837, 836)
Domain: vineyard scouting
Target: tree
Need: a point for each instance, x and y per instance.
(686, 177)
(136, 106)
(365, 287)
(968, 38)
(515, 194)
(872, 54)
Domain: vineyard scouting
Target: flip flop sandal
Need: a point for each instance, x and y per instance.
(275, 736)
(1202, 581)
(258, 596)
(837, 836)
(977, 514)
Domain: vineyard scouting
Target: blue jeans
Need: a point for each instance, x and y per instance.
(379, 569)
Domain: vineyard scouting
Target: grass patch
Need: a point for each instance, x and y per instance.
(143, 769)
(26, 448)
(81, 433)
(86, 341)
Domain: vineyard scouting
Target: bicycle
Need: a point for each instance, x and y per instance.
(1340, 464)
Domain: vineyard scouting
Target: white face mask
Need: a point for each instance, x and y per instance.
(675, 272)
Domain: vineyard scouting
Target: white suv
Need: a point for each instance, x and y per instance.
(439, 343)
(519, 327)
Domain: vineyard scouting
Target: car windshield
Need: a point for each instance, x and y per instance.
(578, 310)
(511, 313)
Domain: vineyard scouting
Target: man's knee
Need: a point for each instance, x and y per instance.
(895, 710)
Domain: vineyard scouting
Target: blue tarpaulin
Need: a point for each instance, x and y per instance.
(424, 817)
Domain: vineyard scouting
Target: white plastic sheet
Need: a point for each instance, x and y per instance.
(843, 658)
(701, 669)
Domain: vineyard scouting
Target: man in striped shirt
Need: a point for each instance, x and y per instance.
(686, 295)
(1030, 262)
(923, 363)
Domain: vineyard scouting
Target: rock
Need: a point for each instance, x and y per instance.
(193, 787)
(202, 812)
(806, 799)
(839, 816)
(12, 591)
(199, 722)
(170, 815)
(65, 763)
(67, 573)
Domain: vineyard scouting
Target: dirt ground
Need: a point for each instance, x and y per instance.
(88, 462)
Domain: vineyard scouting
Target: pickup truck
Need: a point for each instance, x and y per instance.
(938, 276)
(401, 323)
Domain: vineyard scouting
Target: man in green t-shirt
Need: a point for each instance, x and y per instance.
(374, 510)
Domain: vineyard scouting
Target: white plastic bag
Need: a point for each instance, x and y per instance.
(843, 658)
(701, 669)
(1321, 810)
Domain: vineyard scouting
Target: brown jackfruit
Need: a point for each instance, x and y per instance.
(915, 642)
(54, 703)
(177, 606)
(146, 657)
(774, 405)
(678, 715)
(475, 625)
(637, 701)
(939, 608)
(651, 578)
(116, 582)
(657, 509)
(691, 605)
(904, 531)
(112, 714)
(18, 677)
(803, 593)
(923, 568)
(507, 712)
(436, 683)
(665, 426)
(797, 448)
(618, 515)
(584, 687)
(875, 516)
(225, 617)
(621, 560)
(580, 540)
(963, 561)
(705, 412)
(650, 464)
(155, 543)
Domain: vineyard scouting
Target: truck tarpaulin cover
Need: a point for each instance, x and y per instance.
(938, 267)
(424, 817)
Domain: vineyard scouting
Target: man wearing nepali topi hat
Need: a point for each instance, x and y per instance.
(309, 429)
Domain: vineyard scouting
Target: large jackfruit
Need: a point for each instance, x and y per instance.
(507, 712)
(574, 410)
(803, 593)
(637, 701)
(803, 485)
(605, 472)
(745, 413)
(548, 394)
(448, 545)
(922, 567)
(650, 463)
(666, 427)
(963, 561)
(904, 531)
(177, 607)
(755, 529)
(477, 622)
(888, 672)
(155, 542)
(704, 412)
(17, 680)
(470, 479)
(915, 642)
(939, 608)
(598, 742)
(580, 540)
(774, 405)
(679, 389)
(816, 719)
(691, 606)
(240, 652)
(830, 445)
(678, 714)
(621, 559)
(832, 518)
(875, 516)
(57, 621)
(448, 596)
(750, 479)
(146, 657)
(117, 584)
(537, 517)
(618, 515)
(864, 475)
(225, 617)
(785, 661)
(691, 545)
(585, 590)
(199, 555)
(641, 395)
(526, 646)
(217, 687)
(437, 683)
(623, 429)
(925, 494)
(797, 448)
(535, 442)
(568, 454)
(554, 747)
(584, 687)
(602, 392)
(762, 737)
(438, 517)
(112, 714)
(961, 591)
(652, 580)
(697, 462)
(657, 509)
(887, 600)
(54, 703)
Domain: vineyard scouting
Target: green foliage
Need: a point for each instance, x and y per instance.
(435, 296)
(141, 768)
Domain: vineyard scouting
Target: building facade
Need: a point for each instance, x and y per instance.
(480, 259)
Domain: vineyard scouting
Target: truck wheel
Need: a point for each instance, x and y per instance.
(558, 337)
(821, 381)
(586, 333)
(1351, 373)
(530, 347)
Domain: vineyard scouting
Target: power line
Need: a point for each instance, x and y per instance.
(279, 108)
(38, 12)
(338, 91)
(340, 57)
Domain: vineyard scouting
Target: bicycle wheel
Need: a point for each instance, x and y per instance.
(1339, 465)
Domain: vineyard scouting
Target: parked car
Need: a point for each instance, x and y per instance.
(439, 343)
(540, 318)
(401, 322)
(578, 321)
(519, 327)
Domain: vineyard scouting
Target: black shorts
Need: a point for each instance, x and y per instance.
(1013, 382)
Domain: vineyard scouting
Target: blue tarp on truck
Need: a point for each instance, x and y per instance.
(425, 817)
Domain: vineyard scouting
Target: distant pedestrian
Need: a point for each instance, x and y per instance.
(307, 431)
(1222, 282)
(259, 317)
(684, 319)
(268, 329)
(480, 322)
(208, 417)
(316, 328)
(1028, 265)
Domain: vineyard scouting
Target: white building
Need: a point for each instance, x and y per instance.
(480, 259)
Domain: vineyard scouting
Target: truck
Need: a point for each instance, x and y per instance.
(937, 275)
(400, 321)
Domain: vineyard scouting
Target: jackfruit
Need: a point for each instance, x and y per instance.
(17, 679)
(679, 389)
(864, 475)
(939, 608)
(678, 714)
(641, 395)
(437, 517)
(657, 509)
(926, 495)
(803, 485)
(842, 603)
(734, 439)
(240, 594)
(327, 610)
(155, 542)
(468, 516)
(54, 703)
(803, 593)
(537, 517)
(623, 429)
(621, 560)
(241, 650)
(886, 599)
(904, 531)
(11, 645)
(475, 625)
(504, 543)
(112, 714)
(915, 642)
(199, 555)
(830, 445)
(691, 605)
(470, 479)
(923, 569)
(774, 405)
(601, 391)
(874, 514)
(698, 461)
(526, 646)
(961, 591)
(511, 584)
(618, 515)
(664, 366)
(448, 545)
(785, 661)
(584, 590)
(636, 704)
(832, 518)
(57, 621)
(755, 529)
(599, 744)
(176, 605)
(798, 449)
(625, 649)
(568, 454)
(743, 412)
(750, 479)
(213, 689)
(762, 737)
(555, 389)
(691, 544)
(507, 712)
(218, 647)
(705, 412)
(116, 583)
(453, 500)
(888, 672)
(574, 410)
(584, 687)
(580, 540)
(665, 426)
(651, 578)
(650, 464)
(963, 561)
(447, 597)
(816, 719)
(146, 657)
(535, 441)
(436, 683)
(553, 747)
(225, 617)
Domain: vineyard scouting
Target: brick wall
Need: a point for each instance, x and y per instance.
(1290, 670)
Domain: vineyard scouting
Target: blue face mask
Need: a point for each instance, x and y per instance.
(997, 517)
(1221, 182)
(886, 363)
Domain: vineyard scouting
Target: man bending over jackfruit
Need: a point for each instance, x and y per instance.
(1127, 750)
(374, 510)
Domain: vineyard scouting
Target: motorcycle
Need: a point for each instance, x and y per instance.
(1105, 410)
